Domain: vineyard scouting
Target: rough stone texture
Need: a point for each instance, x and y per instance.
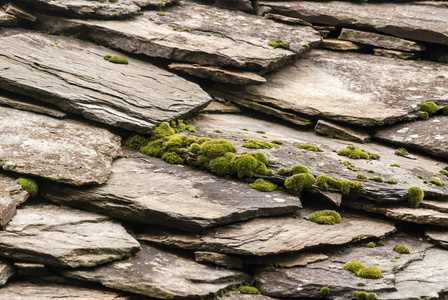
(218, 74)
(438, 235)
(288, 20)
(286, 260)
(25, 103)
(149, 190)
(243, 5)
(333, 44)
(307, 281)
(436, 205)
(222, 107)
(210, 41)
(348, 87)
(33, 291)
(87, 9)
(239, 296)
(11, 196)
(8, 20)
(430, 136)
(267, 236)
(153, 3)
(348, 133)
(57, 70)
(426, 23)
(62, 150)
(395, 53)
(64, 237)
(219, 259)
(14, 9)
(157, 273)
(6, 271)
(380, 40)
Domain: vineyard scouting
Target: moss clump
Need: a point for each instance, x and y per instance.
(391, 181)
(360, 295)
(28, 185)
(353, 266)
(324, 181)
(297, 169)
(415, 196)
(309, 147)
(257, 144)
(328, 217)
(401, 152)
(444, 172)
(263, 185)
(281, 171)
(220, 166)
(402, 249)
(135, 142)
(160, 13)
(160, 5)
(423, 116)
(186, 30)
(360, 284)
(371, 245)
(246, 165)
(277, 142)
(371, 171)
(356, 153)
(361, 176)
(299, 182)
(445, 110)
(116, 59)
(395, 165)
(380, 243)
(369, 272)
(428, 107)
(436, 182)
(190, 128)
(371, 296)
(325, 291)
(377, 179)
(215, 148)
(248, 290)
(195, 148)
(279, 44)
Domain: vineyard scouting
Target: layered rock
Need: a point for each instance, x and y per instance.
(151, 191)
(18, 11)
(160, 274)
(8, 20)
(333, 44)
(11, 196)
(61, 150)
(77, 238)
(6, 271)
(26, 103)
(395, 53)
(218, 259)
(438, 235)
(342, 132)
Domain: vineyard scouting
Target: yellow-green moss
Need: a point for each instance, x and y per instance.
(216, 148)
(429, 107)
(445, 110)
(116, 59)
(190, 128)
(371, 296)
(248, 290)
(436, 182)
(371, 245)
(309, 147)
(328, 217)
(279, 44)
(299, 182)
(353, 266)
(263, 185)
(415, 196)
(402, 249)
(281, 171)
(135, 142)
(391, 181)
(361, 176)
(325, 291)
(195, 148)
(423, 116)
(395, 165)
(257, 144)
(28, 185)
(401, 152)
(369, 272)
(246, 165)
(356, 153)
(323, 181)
(221, 166)
(297, 169)
(377, 179)
(360, 284)
(380, 243)
(360, 295)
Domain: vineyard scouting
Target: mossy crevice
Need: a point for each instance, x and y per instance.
(356, 153)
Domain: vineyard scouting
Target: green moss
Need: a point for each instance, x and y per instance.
(436, 182)
(116, 59)
(135, 142)
(299, 182)
(261, 157)
(246, 165)
(391, 181)
(216, 148)
(328, 217)
(423, 116)
(353, 266)
(257, 144)
(277, 142)
(323, 181)
(401, 152)
(173, 158)
(371, 171)
(28, 185)
(360, 284)
(425, 181)
(356, 153)
(279, 44)
(297, 169)
(360, 295)
(186, 30)
(325, 291)
(160, 5)
(377, 179)
(371, 245)
(371, 296)
(402, 249)
(263, 185)
(395, 165)
(190, 128)
(160, 13)
(369, 272)
(428, 107)
(309, 147)
(380, 243)
(361, 176)
(445, 110)
(221, 166)
(162, 131)
(415, 196)
(195, 148)
(281, 171)
(420, 176)
(248, 290)
(107, 57)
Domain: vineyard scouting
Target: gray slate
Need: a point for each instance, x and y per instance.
(11, 196)
(64, 237)
(61, 150)
(8, 20)
(149, 190)
(396, 53)
(242, 5)
(430, 136)
(162, 275)
(153, 3)
(19, 11)
(25, 103)
(343, 132)
(7, 270)
(355, 88)
(218, 259)
(57, 70)
(334, 44)
(413, 21)
(438, 235)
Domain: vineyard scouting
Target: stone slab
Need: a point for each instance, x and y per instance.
(218, 259)
(222, 107)
(438, 235)
(18, 11)
(11, 196)
(153, 3)
(334, 44)
(26, 103)
(77, 238)
(395, 53)
(8, 20)
(286, 260)
(61, 150)
(149, 190)
(57, 70)
(288, 20)
(361, 88)
(242, 5)
(160, 274)
(343, 132)
(7, 270)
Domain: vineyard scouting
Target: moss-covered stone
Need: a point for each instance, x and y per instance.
(279, 44)
(402, 249)
(248, 290)
(28, 185)
(299, 182)
(297, 169)
(263, 185)
(356, 153)
(415, 196)
(429, 107)
(369, 272)
(135, 142)
(371, 245)
(436, 182)
(281, 171)
(323, 181)
(116, 59)
(361, 176)
(353, 266)
(309, 147)
(325, 291)
(328, 217)
(257, 144)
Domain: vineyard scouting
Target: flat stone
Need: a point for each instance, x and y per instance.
(417, 22)
(156, 273)
(342, 132)
(268, 236)
(108, 93)
(436, 205)
(288, 20)
(242, 5)
(77, 238)
(28, 270)
(172, 196)
(218, 74)
(8, 20)
(395, 53)
(218, 259)
(430, 136)
(222, 107)
(286, 260)
(324, 31)
(153, 3)
(438, 235)
(33, 291)
(18, 11)
(7, 270)
(28, 104)
(61, 150)
(195, 33)
(380, 40)
(11, 196)
(334, 44)
(239, 296)
(355, 84)
(83, 9)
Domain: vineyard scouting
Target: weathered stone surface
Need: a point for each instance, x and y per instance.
(218, 74)
(33, 291)
(8, 20)
(239, 296)
(288, 20)
(62, 150)
(324, 31)
(430, 136)
(441, 206)
(307, 281)
(333, 44)
(153, 3)
(14, 9)
(6, 271)
(205, 40)
(342, 132)
(65, 237)
(426, 23)
(348, 87)
(157, 273)
(380, 40)
(267, 236)
(11, 196)
(219, 106)
(286, 260)
(438, 235)
(149, 190)
(395, 53)
(243, 5)
(87, 9)
(26, 103)
(218, 259)
(57, 70)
